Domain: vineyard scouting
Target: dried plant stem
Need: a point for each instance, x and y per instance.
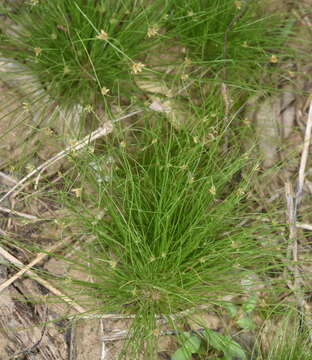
(46, 284)
(304, 226)
(293, 204)
(303, 160)
(293, 244)
(159, 317)
(104, 130)
(124, 334)
(18, 213)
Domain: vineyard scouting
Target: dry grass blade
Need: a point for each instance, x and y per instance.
(25, 269)
(291, 213)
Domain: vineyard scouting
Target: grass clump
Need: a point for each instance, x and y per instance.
(236, 40)
(82, 51)
(168, 236)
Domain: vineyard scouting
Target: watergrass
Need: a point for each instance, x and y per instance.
(167, 227)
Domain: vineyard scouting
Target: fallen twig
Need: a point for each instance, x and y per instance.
(18, 213)
(293, 204)
(41, 281)
(293, 244)
(7, 178)
(303, 160)
(163, 318)
(104, 130)
(303, 226)
(103, 348)
(25, 269)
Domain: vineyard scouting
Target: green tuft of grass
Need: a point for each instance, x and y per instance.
(238, 40)
(167, 227)
(82, 51)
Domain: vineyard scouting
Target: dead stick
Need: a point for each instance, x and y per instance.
(303, 226)
(46, 284)
(104, 130)
(17, 213)
(293, 204)
(303, 160)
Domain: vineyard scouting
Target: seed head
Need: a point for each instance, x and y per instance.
(184, 77)
(37, 51)
(113, 263)
(137, 68)
(88, 109)
(212, 190)
(104, 90)
(238, 5)
(274, 59)
(187, 61)
(77, 191)
(66, 69)
(152, 31)
(102, 35)
(33, 2)
(26, 106)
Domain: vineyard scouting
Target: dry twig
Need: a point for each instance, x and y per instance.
(303, 160)
(41, 281)
(124, 334)
(293, 204)
(104, 130)
(293, 244)
(26, 268)
(18, 213)
(7, 178)
(304, 226)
